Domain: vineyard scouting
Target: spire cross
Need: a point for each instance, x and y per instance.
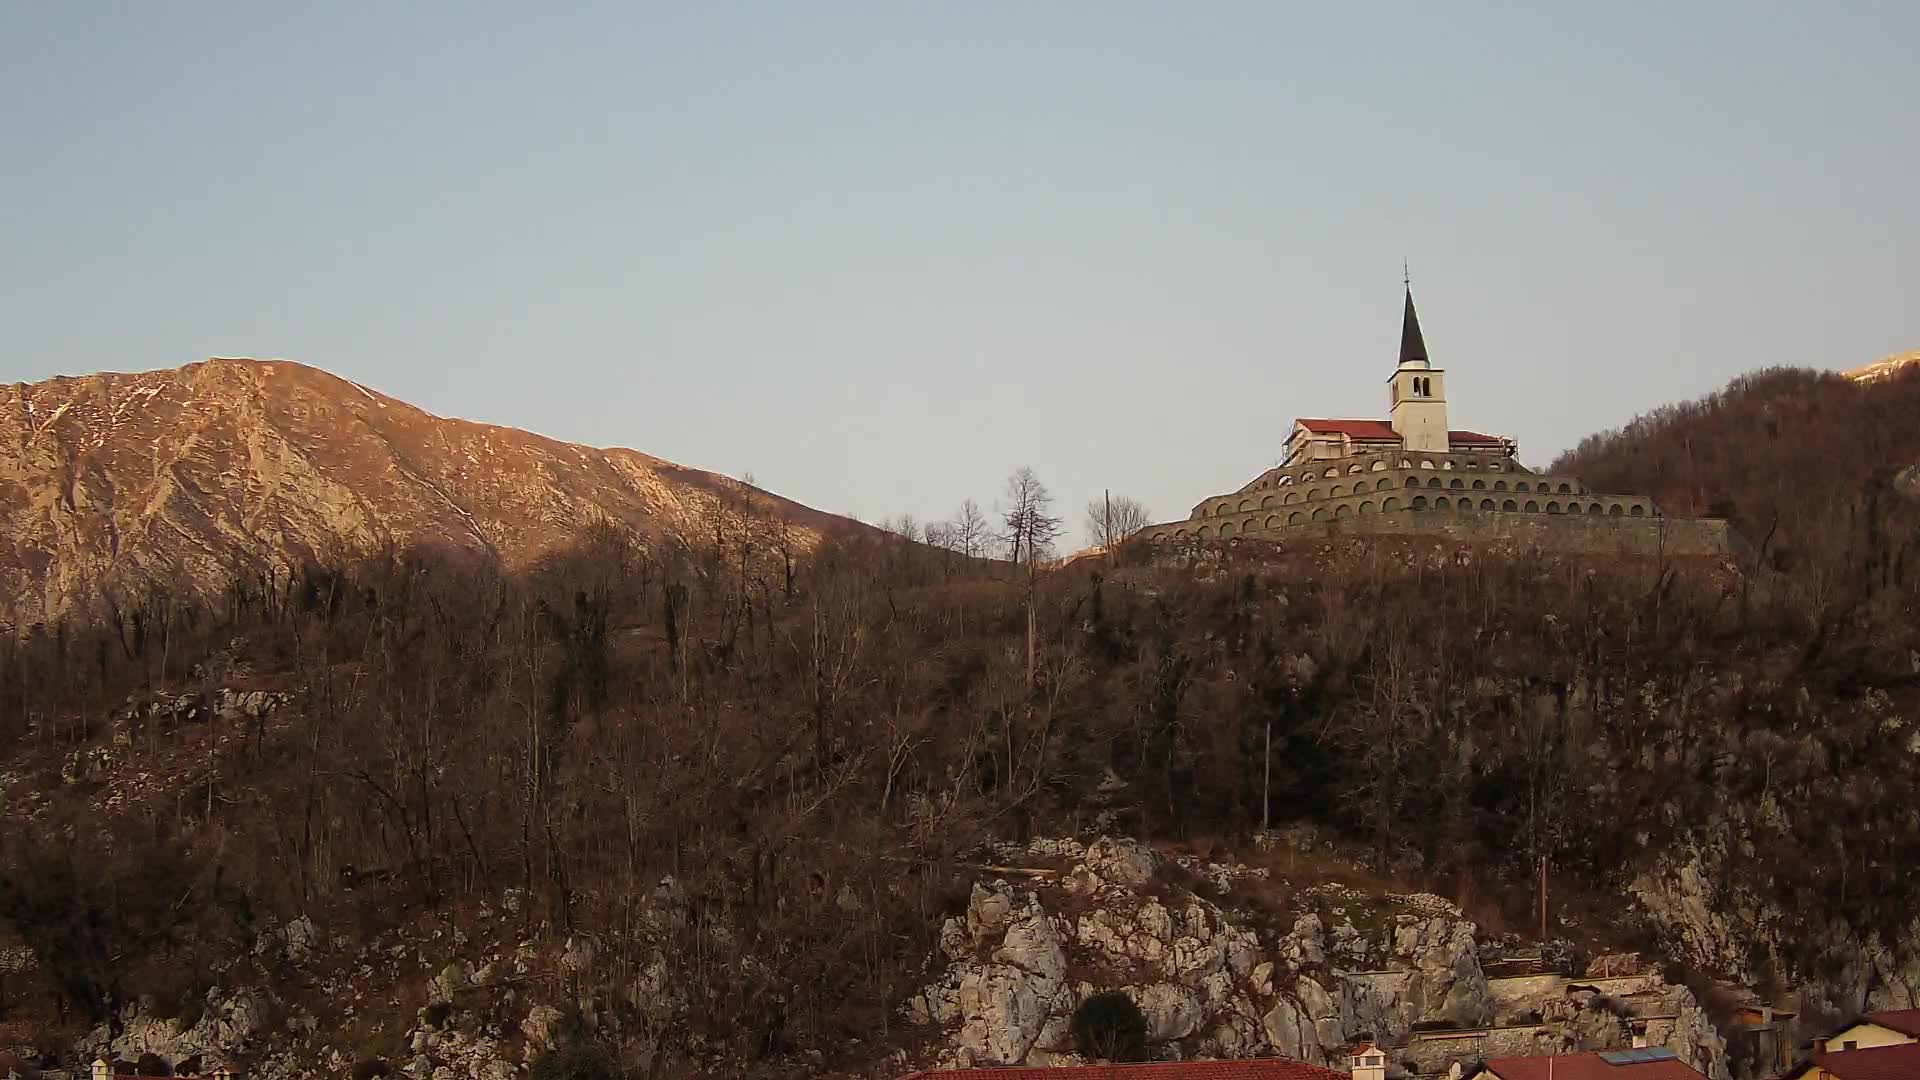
(1406, 275)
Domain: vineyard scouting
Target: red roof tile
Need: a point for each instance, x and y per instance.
(1352, 429)
(1879, 1063)
(1904, 1021)
(1254, 1069)
(1382, 430)
(1589, 1066)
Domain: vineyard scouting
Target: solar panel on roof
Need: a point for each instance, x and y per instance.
(1637, 1056)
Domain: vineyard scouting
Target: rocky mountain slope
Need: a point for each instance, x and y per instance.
(229, 468)
(725, 818)
(1884, 368)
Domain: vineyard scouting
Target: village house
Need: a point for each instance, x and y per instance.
(1369, 1064)
(104, 1070)
(1892, 1028)
(1763, 1032)
(1896, 1061)
(1651, 1063)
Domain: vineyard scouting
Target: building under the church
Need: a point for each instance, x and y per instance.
(1412, 473)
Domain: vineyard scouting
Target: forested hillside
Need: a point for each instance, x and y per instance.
(807, 752)
(1804, 462)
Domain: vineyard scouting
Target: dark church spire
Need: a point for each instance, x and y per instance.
(1413, 348)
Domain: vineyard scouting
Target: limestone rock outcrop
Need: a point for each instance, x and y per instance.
(1215, 982)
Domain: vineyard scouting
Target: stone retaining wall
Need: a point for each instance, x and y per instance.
(1596, 534)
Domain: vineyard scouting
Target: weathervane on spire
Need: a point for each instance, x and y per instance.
(1406, 275)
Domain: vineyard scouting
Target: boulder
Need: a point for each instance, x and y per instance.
(1033, 945)
(1120, 861)
(989, 910)
(1289, 1031)
(1002, 1015)
(542, 1026)
(1172, 1011)
(452, 979)
(578, 955)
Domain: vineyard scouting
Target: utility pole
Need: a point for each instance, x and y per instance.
(1106, 538)
(1543, 906)
(1266, 779)
(1033, 586)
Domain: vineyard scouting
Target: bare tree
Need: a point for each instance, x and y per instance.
(1111, 521)
(970, 530)
(1030, 526)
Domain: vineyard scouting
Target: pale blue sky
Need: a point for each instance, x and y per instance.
(882, 254)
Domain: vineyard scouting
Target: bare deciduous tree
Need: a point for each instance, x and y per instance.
(1030, 527)
(1111, 521)
(970, 530)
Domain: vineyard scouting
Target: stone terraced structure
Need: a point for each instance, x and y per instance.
(1412, 474)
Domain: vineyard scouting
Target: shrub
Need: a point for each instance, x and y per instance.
(372, 1069)
(152, 1064)
(575, 1061)
(1109, 1026)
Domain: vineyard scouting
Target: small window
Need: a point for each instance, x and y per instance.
(1850, 1044)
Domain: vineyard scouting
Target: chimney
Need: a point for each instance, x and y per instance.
(102, 1070)
(1369, 1062)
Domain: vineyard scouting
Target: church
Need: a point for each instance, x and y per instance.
(1413, 473)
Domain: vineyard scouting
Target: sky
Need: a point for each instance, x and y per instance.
(880, 255)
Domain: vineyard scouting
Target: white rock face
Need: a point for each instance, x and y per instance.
(1172, 1011)
(1287, 1028)
(1008, 980)
(1445, 959)
(229, 1025)
(1215, 983)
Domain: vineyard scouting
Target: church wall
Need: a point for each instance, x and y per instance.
(1585, 533)
(1365, 492)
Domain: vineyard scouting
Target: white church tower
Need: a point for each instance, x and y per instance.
(1419, 414)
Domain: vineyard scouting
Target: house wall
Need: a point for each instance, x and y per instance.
(1436, 1052)
(1868, 1036)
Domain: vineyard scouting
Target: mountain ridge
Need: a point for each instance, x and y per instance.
(1884, 368)
(231, 466)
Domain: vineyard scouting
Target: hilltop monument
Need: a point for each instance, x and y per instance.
(1412, 473)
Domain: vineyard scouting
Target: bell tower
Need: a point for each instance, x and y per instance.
(1419, 391)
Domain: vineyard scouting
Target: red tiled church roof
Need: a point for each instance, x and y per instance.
(1900, 1062)
(1256, 1069)
(1352, 429)
(1381, 430)
(1588, 1066)
(1904, 1021)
